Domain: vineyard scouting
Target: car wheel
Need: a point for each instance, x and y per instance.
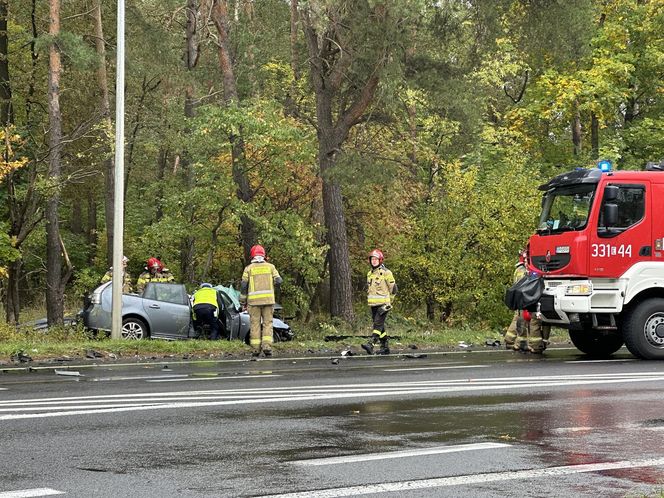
(281, 335)
(134, 328)
(596, 344)
(644, 329)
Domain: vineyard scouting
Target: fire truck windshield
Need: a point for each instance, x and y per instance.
(566, 208)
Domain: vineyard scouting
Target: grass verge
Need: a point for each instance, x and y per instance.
(319, 338)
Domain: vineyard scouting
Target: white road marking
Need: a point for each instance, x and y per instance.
(215, 378)
(470, 479)
(563, 430)
(28, 493)
(81, 405)
(139, 377)
(432, 368)
(601, 361)
(398, 454)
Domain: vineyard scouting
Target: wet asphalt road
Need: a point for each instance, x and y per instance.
(479, 424)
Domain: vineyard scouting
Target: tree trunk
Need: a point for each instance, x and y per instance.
(577, 133)
(187, 244)
(34, 57)
(327, 73)
(231, 97)
(92, 227)
(6, 110)
(295, 56)
(594, 136)
(341, 291)
(75, 222)
(106, 138)
(24, 210)
(13, 308)
(161, 173)
(54, 288)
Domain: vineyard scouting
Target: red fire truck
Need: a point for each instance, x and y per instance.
(599, 248)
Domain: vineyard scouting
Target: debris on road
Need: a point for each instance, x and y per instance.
(335, 361)
(20, 357)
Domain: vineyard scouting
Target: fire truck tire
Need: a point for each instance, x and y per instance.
(596, 344)
(643, 329)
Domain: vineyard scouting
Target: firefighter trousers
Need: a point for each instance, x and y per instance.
(538, 335)
(516, 335)
(260, 318)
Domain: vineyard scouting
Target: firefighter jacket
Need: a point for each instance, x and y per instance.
(520, 272)
(126, 281)
(146, 277)
(205, 295)
(258, 281)
(380, 285)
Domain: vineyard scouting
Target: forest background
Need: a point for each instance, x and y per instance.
(318, 128)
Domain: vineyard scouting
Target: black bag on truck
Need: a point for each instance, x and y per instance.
(525, 294)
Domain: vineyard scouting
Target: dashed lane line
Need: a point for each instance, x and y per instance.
(29, 493)
(433, 368)
(465, 480)
(214, 377)
(398, 454)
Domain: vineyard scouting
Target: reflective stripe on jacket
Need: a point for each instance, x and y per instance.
(260, 278)
(206, 295)
(380, 284)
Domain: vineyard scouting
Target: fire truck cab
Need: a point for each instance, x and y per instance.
(599, 248)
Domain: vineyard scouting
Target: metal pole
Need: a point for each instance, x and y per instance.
(118, 213)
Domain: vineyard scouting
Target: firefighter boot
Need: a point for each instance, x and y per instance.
(383, 347)
(369, 346)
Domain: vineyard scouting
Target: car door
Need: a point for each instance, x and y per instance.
(167, 307)
(229, 315)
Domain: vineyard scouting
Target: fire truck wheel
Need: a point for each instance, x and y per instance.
(643, 329)
(596, 344)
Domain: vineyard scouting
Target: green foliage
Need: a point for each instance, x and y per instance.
(474, 109)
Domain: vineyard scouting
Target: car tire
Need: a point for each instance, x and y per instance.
(643, 329)
(282, 335)
(134, 329)
(596, 344)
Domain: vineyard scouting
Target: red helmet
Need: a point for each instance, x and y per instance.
(257, 251)
(376, 253)
(154, 263)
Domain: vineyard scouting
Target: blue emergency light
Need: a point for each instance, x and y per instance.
(604, 165)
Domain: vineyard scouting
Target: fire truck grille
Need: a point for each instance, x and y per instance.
(555, 263)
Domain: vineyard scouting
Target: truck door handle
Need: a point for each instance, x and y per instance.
(155, 306)
(645, 251)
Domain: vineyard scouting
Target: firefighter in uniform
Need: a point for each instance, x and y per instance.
(206, 309)
(153, 273)
(538, 332)
(380, 287)
(516, 335)
(257, 295)
(126, 278)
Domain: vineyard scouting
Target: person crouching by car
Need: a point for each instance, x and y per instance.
(380, 287)
(257, 295)
(206, 310)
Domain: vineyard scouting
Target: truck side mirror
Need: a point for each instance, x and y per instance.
(611, 193)
(610, 214)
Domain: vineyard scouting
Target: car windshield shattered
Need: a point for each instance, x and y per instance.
(566, 208)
